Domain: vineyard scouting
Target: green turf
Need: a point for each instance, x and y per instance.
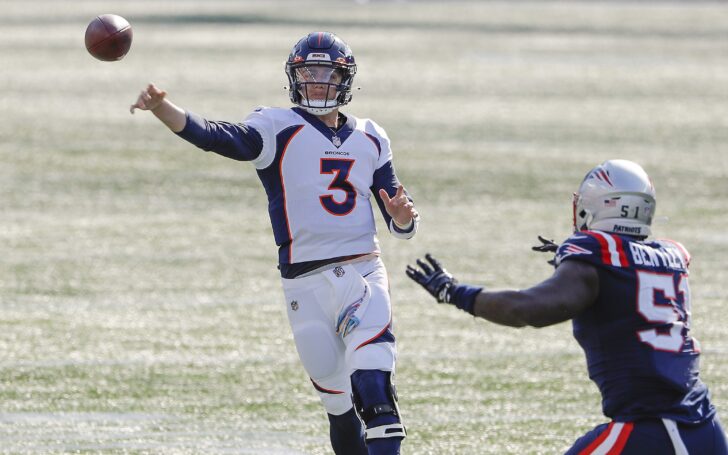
(141, 310)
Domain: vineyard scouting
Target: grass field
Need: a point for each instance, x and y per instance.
(140, 306)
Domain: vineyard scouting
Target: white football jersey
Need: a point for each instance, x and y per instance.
(319, 182)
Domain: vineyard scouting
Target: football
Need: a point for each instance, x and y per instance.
(108, 37)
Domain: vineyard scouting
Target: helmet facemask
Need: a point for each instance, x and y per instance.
(319, 89)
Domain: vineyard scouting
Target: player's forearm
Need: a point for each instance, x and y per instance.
(501, 307)
(171, 115)
(559, 298)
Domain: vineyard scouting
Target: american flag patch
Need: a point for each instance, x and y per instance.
(610, 202)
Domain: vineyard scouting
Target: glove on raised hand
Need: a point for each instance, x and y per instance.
(547, 246)
(442, 285)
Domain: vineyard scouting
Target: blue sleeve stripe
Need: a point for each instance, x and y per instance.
(232, 140)
(377, 144)
(384, 178)
(275, 189)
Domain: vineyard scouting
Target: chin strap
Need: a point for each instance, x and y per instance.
(318, 110)
(318, 107)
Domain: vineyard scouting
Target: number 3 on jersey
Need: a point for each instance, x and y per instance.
(341, 169)
(675, 312)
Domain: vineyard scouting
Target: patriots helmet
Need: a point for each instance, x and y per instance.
(320, 72)
(616, 196)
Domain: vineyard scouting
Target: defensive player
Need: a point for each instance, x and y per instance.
(629, 300)
(320, 169)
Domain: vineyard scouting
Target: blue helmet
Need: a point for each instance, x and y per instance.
(320, 72)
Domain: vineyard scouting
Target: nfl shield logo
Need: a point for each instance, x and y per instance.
(294, 305)
(336, 141)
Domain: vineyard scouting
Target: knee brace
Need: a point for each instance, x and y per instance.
(375, 401)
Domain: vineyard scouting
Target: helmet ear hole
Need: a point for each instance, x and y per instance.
(586, 218)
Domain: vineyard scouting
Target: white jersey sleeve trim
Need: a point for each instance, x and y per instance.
(376, 131)
(261, 120)
(404, 235)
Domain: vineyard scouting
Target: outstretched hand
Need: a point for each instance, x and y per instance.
(547, 246)
(399, 207)
(435, 279)
(150, 98)
(442, 285)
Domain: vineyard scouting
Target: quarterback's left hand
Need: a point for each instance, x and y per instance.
(436, 280)
(399, 207)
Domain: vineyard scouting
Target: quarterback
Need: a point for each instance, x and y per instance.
(629, 301)
(321, 169)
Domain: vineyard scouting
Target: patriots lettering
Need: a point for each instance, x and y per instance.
(627, 229)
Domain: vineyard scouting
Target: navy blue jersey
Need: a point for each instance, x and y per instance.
(636, 336)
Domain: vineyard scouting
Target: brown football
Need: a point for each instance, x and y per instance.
(108, 37)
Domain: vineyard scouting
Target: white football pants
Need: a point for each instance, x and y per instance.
(339, 318)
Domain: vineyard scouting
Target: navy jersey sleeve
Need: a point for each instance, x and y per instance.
(595, 248)
(386, 179)
(232, 140)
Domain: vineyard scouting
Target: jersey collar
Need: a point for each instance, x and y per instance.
(342, 133)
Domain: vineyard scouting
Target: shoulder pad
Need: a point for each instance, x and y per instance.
(596, 247)
(682, 251)
(372, 127)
